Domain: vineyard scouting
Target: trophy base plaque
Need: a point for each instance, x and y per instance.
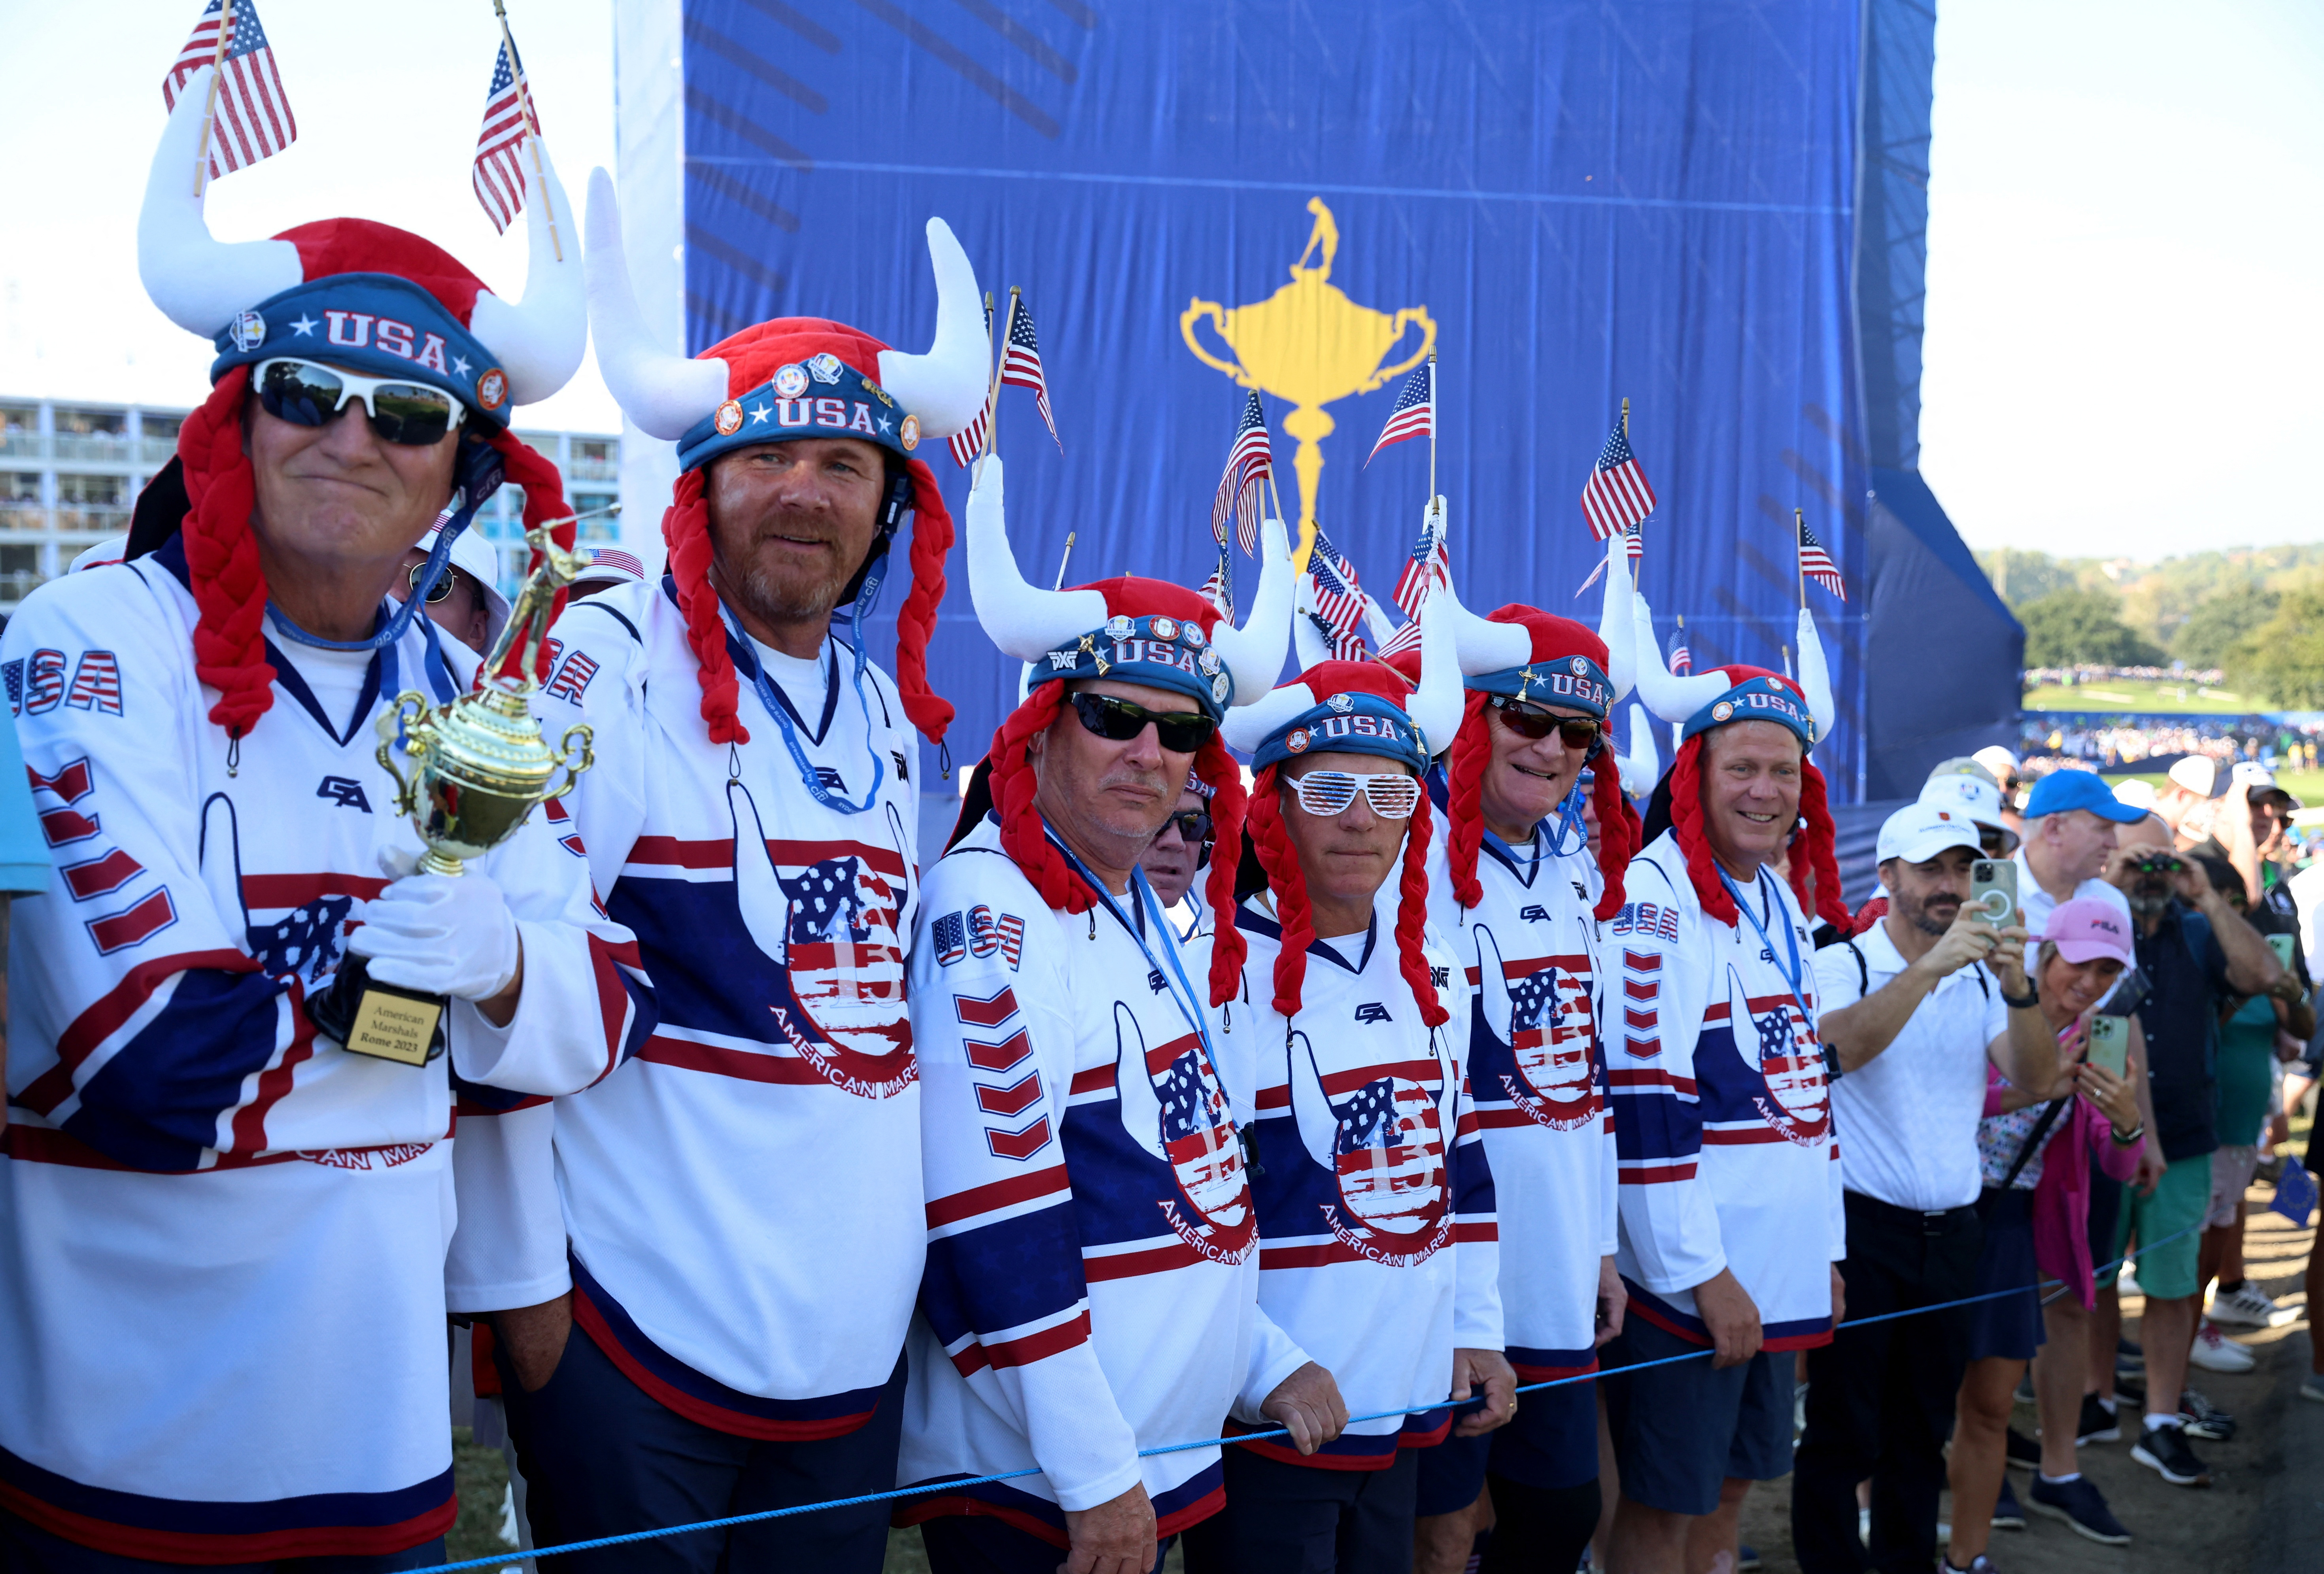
(379, 1020)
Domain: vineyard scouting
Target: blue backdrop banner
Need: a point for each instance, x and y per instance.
(1572, 202)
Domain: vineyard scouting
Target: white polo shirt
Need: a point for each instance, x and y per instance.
(1906, 1119)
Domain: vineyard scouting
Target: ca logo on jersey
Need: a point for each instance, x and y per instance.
(1372, 1011)
(1532, 913)
(345, 791)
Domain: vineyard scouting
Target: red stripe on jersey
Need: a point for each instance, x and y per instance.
(1275, 1098)
(1655, 1174)
(998, 1194)
(680, 853)
(986, 1010)
(63, 826)
(1024, 1352)
(1740, 1137)
(1018, 1144)
(1009, 1052)
(1636, 990)
(274, 1081)
(141, 920)
(1426, 1073)
(1094, 1080)
(71, 784)
(741, 1064)
(1645, 962)
(115, 1007)
(1159, 1259)
(1641, 1021)
(1013, 1101)
(296, 891)
(1683, 1086)
(98, 876)
(303, 1541)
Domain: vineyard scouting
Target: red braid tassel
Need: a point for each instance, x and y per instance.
(1618, 833)
(1229, 804)
(685, 531)
(228, 582)
(1686, 826)
(1022, 834)
(1283, 877)
(1820, 845)
(1472, 749)
(916, 622)
(544, 499)
(1412, 918)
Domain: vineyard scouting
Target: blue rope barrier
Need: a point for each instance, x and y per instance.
(515, 1555)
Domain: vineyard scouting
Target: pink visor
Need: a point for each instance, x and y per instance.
(2087, 928)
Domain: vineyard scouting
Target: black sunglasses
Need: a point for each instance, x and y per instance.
(414, 415)
(439, 591)
(1119, 720)
(1533, 722)
(1194, 825)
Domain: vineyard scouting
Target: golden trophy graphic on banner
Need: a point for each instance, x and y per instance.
(478, 765)
(1308, 343)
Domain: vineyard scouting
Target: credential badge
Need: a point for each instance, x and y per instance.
(790, 381)
(249, 331)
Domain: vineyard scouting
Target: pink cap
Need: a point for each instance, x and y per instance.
(2087, 928)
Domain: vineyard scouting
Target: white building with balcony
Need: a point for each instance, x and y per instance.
(69, 473)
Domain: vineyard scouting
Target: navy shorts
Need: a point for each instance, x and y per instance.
(2008, 1327)
(1551, 1442)
(1679, 1430)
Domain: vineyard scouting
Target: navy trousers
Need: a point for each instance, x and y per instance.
(26, 1549)
(601, 1457)
(1282, 1518)
(961, 1543)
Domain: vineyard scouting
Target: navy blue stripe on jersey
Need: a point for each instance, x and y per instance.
(177, 1530)
(673, 1383)
(1540, 1366)
(1191, 1501)
(1007, 1274)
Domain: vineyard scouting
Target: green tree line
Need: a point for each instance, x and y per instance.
(2256, 613)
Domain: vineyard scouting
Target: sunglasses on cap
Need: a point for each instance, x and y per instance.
(1193, 827)
(1326, 794)
(1119, 720)
(439, 591)
(308, 393)
(1531, 721)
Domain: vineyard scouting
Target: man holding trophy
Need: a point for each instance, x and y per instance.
(223, 1222)
(702, 1268)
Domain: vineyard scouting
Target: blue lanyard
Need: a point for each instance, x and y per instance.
(1790, 941)
(1143, 894)
(781, 713)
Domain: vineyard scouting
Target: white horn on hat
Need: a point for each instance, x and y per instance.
(1248, 725)
(200, 283)
(1816, 677)
(665, 394)
(1670, 696)
(1308, 646)
(1642, 766)
(1480, 645)
(1435, 706)
(1023, 619)
(539, 338)
(1614, 625)
(1254, 652)
(947, 386)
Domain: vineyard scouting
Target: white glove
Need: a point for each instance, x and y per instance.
(437, 934)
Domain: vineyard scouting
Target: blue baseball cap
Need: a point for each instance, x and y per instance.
(2080, 789)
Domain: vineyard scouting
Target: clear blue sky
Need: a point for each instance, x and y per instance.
(2126, 327)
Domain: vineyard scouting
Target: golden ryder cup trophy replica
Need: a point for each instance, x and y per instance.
(479, 764)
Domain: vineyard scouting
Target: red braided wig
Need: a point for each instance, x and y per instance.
(228, 583)
(1814, 850)
(1618, 834)
(1229, 804)
(1412, 918)
(685, 531)
(1022, 834)
(1819, 843)
(1686, 825)
(916, 621)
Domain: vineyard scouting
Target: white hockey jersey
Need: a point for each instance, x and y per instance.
(222, 1237)
(1090, 1287)
(1728, 1154)
(769, 1129)
(1378, 1251)
(1538, 1076)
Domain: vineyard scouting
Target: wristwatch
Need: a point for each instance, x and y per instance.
(2026, 1001)
(2125, 1138)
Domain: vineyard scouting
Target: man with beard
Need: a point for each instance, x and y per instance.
(678, 1336)
(2198, 955)
(1910, 1011)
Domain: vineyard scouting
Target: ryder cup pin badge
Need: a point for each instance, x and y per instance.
(1341, 703)
(729, 419)
(825, 367)
(1118, 626)
(790, 381)
(1218, 688)
(249, 331)
(1164, 627)
(908, 434)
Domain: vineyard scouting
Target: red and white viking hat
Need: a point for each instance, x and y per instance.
(795, 377)
(1358, 707)
(1134, 630)
(378, 300)
(1524, 653)
(1703, 701)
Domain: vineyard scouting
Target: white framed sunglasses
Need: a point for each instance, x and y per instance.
(308, 393)
(1326, 794)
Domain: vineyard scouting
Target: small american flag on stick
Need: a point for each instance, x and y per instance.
(1414, 415)
(252, 119)
(509, 118)
(1617, 495)
(1020, 364)
(1339, 600)
(1219, 589)
(969, 442)
(1682, 660)
(1250, 463)
(1815, 562)
(1428, 563)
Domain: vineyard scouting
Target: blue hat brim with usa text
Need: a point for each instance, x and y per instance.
(2062, 790)
(820, 396)
(1754, 699)
(1157, 650)
(1347, 724)
(375, 325)
(1575, 682)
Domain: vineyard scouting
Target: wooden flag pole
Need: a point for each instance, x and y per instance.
(992, 392)
(1063, 558)
(533, 125)
(209, 105)
(1799, 554)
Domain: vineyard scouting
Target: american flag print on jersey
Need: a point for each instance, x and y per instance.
(1552, 1040)
(1250, 463)
(97, 683)
(1388, 1154)
(1617, 494)
(1020, 365)
(1205, 1150)
(573, 675)
(1816, 563)
(1414, 414)
(509, 119)
(253, 118)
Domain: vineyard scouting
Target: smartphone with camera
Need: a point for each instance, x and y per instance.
(1993, 891)
(2282, 945)
(2110, 1043)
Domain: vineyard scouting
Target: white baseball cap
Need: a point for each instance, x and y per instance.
(608, 566)
(1919, 830)
(478, 558)
(2260, 780)
(1975, 795)
(2199, 774)
(2138, 794)
(1999, 760)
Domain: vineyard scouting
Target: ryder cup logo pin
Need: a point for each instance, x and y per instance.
(492, 388)
(729, 419)
(1208, 660)
(825, 367)
(1165, 628)
(1578, 666)
(1341, 703)
(249, 331)
(1118, 626)
(1192, 634)
(790, 381)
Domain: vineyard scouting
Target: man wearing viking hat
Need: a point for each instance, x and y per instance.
(1378, 1256)
(1089, 1240)
(222, 1233)
(703, 1270)
(1731, 1223)
(1513, 893)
